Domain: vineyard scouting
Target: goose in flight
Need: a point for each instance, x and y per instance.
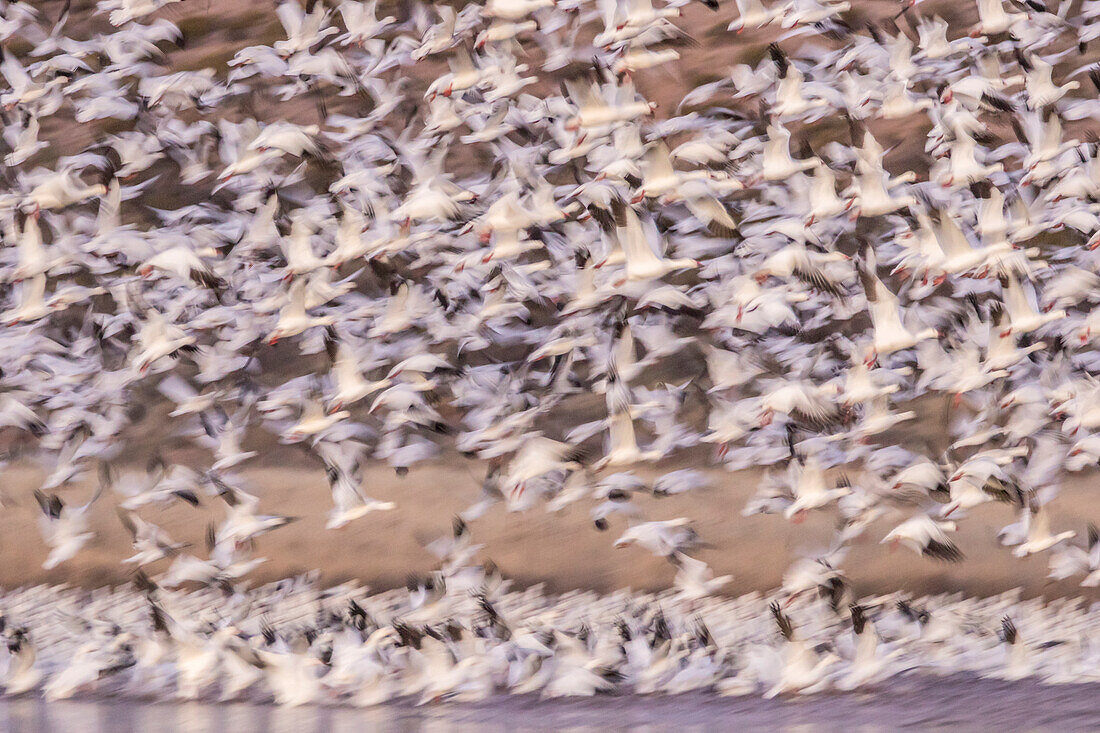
(65, 528)
(926, 536)
(643, 260)
(890, 333)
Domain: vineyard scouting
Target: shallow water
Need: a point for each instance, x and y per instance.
(955, 703)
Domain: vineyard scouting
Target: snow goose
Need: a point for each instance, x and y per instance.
(1071, 560)
(362, 21)
(1038, 84)
(869, 665)
(303, 30)
(293, 316)
(753, 15)
(790, 99)
(925, 536)
(802, 669)
(65, 528)
(24, 91)
(594, 111)
(1021, 308)
(659, 178)
(150, 542)
(58, 190)
(622, 448)
(1039, 538)
(23, 672)
(993, 19)
(777, 162)
(890, 334)
(643, 261)
(157, 339)
(810, 487)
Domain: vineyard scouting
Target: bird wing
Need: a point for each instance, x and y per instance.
(620, 424)
(634, 240)
(291, 16)
(951, 237)
(16, 75)
(658, 160)
(1016, 299)
(882, 304)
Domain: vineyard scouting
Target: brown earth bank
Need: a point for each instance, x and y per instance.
(564, 551)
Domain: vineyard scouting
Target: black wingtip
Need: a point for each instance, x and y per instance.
(783, 621)
(1008, 630)
(945, 551)
(859, 617)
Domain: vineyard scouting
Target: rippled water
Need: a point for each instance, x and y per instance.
(917, 703)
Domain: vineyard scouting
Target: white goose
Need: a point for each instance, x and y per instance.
(349, 503)
(1038, 82)
(1039, 537)
(753, 15)
(810, 488)
(643, 260)
(933, 39)
(869, 664)
(870, 193)
(302, 30)
(1071, 560)
(777, 163)
(694, 578)
(23, 141)
(300, 257)
(595, 112)
(925, 536)
(659, 178)
(790, 100)
(824, 202)
(802, 669)
(293, 317)
(23, 674)
(514, 9)
(1021, 307)
(32, 304)
(963, 166)
(59, 190)
(350, 244)
(993, 19)
(622, 449)
(899, 103)
(24, 90)
(158, 338)
(464, 74)
(347, 376)
(313, 420)
(65, 529)
(890, 334)
(362, 21)
(959, 255)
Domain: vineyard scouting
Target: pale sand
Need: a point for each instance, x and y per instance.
(564, 550)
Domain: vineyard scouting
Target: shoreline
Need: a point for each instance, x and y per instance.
(953, 702)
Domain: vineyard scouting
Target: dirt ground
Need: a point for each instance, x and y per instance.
(564, 551)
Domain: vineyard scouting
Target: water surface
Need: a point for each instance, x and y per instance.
(957, 703)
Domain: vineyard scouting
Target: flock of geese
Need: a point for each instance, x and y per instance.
(466, 234)
(294, 643)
